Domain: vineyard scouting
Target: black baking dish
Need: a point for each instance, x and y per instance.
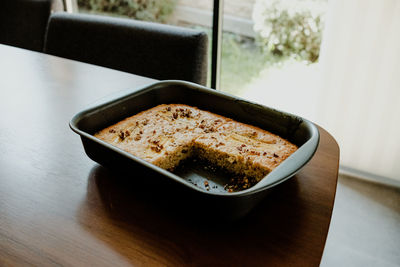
(190, 178)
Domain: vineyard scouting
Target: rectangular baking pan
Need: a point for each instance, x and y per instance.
(187, 182)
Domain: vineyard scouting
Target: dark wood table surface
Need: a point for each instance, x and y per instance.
(57, 207)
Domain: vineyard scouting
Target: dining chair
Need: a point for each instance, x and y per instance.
(148, 49)
(23, 22)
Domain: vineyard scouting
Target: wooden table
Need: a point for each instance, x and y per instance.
(57, 207)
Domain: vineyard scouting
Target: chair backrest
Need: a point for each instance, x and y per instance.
(149, 49)
(23, 22)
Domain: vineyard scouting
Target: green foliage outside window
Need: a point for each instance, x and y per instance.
(148, 10)
(290, 28)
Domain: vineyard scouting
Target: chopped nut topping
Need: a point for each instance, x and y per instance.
(121, 135)
(276, 155)
(157, 148)
(112, 131)
(252, 152)
(127, 133)
(141, 132)
(219, 144)
(187, 113)
(175, 115)
(138, 137)
(209, 130)
(168, 108)
(265, 153)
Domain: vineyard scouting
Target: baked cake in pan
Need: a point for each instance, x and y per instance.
(168, 134)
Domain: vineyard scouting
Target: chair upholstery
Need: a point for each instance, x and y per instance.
(149, 49)
(23, 22)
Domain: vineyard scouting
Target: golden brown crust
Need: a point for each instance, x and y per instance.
(167, 134)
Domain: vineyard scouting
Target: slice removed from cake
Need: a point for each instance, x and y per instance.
(170, 133)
